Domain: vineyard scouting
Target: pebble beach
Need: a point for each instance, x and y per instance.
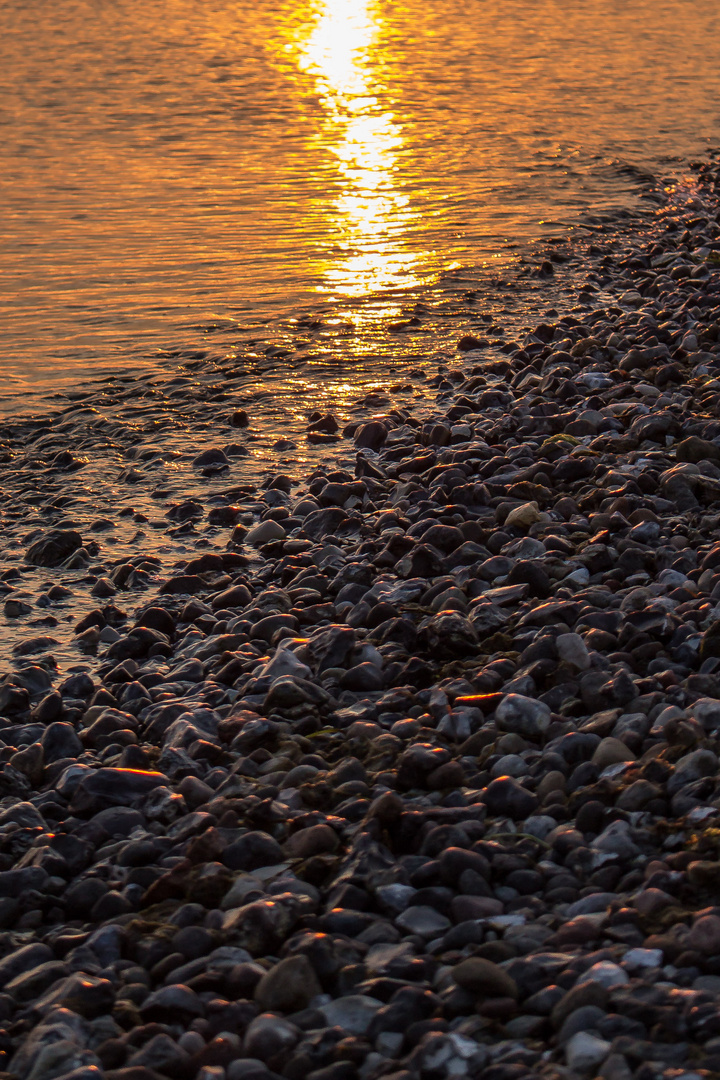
(398, 759)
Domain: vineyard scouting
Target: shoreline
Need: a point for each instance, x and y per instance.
(382, 743)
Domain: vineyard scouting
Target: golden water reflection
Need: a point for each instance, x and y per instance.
(374, 216)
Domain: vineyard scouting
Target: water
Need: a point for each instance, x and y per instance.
(172, 166)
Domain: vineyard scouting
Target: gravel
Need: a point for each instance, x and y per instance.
(406, 766)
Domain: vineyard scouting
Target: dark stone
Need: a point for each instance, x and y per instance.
(505, 797)
(54, 547)
(113, 787)
(251, 851)
(370, 436)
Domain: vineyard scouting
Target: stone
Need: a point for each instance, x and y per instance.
(584, 1052)
(33, 983)
(161, 1053)
(270, 624)
(522, 517)
(362, 678)
(651, 901)
(268, 1035)
(573, 650)
(289, 986)
(262, 925)
(704, 935)
(584, 1018)
(611, 751)
(237, 596)
(370, 436)
(325, 522)
(212, 456)
(285, 662)
(505, 797)
(707, 712)
(289, 691)
(54, 547)
(251, 851)
(107, 787)
(695, 450)
(607, 974)
(243, 887)
(523, 715)
(449, 635)
(599, 901)
(59, 740)
(315, 840)
(24, 959)
(585, 994)
(510, 765)
(63, 1030)
(15, 883)
(616, 840)
(264, 532)
(691, 767)
(353, 1013)
(424, 921)
(484, 978)
(169, 1003)
(67, 1058)
(637, 960)
(86, 995)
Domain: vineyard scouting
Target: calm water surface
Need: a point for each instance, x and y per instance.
(174, 164)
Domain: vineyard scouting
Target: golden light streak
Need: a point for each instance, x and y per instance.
(373, 215)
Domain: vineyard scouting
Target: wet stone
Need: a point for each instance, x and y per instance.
(54, 547)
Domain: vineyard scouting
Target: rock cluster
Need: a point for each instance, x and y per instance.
(418, 777)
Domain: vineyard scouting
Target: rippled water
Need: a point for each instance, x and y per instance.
(169, 164)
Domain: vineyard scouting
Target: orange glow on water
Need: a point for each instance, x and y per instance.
(174, 169)
(366, 139)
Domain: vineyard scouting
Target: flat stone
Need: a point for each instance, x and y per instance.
(31, 984)
(83, 994)
(424, 921)
(585, 1051)
(353, 1013)
(24, 959)
(107, 787)
(599, 901)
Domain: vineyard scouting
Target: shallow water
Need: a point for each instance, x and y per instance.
(171, 168)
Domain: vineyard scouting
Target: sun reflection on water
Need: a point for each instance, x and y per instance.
(373, 215)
